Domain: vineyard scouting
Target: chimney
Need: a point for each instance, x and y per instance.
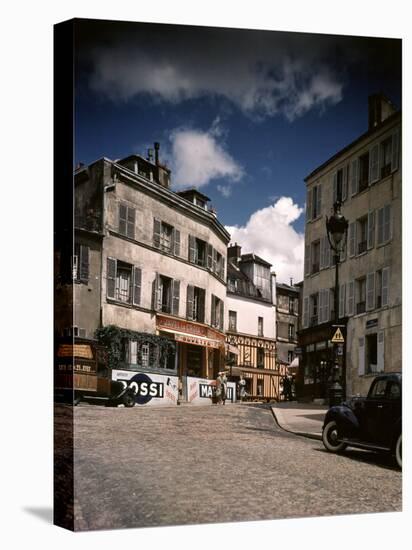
(234, 253)
(380, 108)
(157, 147)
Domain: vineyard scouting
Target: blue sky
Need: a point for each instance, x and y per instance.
(242, 115)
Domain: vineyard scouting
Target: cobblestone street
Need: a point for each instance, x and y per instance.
(184, 465)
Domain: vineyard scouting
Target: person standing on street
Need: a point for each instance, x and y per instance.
(242, 388)
(219, 386)
(224, 387)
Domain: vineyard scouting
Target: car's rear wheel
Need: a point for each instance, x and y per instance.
(330, 438)
(398, 451)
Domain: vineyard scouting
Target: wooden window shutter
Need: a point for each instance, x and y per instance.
(352, 239)
(222, 268)
(83, 268)
(213, 311)
(326, 302)
(380, 225)
(189, 301)
(306, 312)
(335, 188)
(322, 252)
(221, 311)
(122, 219)
(209, 256)
(371, 229)
(201, 306)
(131, 221)
(381, 351)
(345, 181)
(354, 177)
(386, 222)
(351, 297)
(157, 227)
(175, 297)
(137, 285)
(111, 277)
(156, 304)
(319, 200)
(370, 291)
(307, 259)
(361, 356)
(374, 164)
(385, 286)
(214, 259)
(176, 242)
(395, 151)
(192, 249)
(309, 205)
(342, 295)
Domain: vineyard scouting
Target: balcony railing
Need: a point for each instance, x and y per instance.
(361, 307)
(362, 247)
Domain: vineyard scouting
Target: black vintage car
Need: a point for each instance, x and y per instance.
(373, 422)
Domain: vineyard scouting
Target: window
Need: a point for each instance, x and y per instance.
(80, 263)
(148, 356)
(217, 312)
(361, 295)
(291, 305)
(340, 184)
(127, 217)
(290, 356)
(386, 157)
(260, 358)
(166, 294)
(371, 353)
(232, 285)
(379, 389)
(315, 257)
(124, 282)
(260, 326)
(363, 172)
(316, 202)
(233, 321)
(195, 308)
(291, 332)
(166, 237)
(382, 287)
(197, 251)
(362, 235)
(262, 280)
(313, 309)
(384, 224)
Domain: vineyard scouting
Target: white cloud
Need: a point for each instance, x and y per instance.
(269, 233)
(264, 78)
(197, 158)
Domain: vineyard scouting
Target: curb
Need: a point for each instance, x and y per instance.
(308, 435)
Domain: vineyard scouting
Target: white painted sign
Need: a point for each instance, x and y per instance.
(201, 391)
(150, 389)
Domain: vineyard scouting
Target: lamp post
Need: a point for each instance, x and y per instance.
(337, 229)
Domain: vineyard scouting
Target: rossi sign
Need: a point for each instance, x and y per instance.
(150, 389)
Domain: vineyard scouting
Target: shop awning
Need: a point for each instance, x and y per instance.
(194, 339)
(294, 363)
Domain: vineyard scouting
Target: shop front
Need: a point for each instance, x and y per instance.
(200, 354)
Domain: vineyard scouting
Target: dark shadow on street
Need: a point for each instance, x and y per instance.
(317, 416)
(383, 460)
(45, 514)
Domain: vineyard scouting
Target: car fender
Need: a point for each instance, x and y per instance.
(344, 417)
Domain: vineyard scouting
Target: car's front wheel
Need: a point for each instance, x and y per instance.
(398, 451)
(330, 438)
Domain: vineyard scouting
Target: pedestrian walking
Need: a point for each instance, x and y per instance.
(219, 388)
(242, 388)
(224, 387)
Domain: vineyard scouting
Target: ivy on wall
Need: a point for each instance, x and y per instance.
(114, 338)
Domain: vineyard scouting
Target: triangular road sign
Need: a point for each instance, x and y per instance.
(338, 337)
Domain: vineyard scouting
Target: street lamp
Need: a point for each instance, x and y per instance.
(337, 229)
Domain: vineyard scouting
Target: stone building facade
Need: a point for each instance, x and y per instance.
(250, 323)
(151, 262)
(287, 318)
(367, 177)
